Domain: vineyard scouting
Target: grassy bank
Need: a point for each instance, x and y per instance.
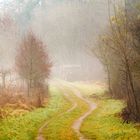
(104, 123)
(26, 127)
(60, 127)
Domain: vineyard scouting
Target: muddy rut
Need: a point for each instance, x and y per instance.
(77, 124)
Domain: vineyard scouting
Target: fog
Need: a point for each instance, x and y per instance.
(67, 27)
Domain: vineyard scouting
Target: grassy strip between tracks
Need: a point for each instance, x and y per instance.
(61, 127)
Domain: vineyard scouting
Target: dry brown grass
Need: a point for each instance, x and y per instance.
(16, 102)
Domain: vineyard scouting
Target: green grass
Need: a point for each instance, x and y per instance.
(90, 89)
(104, 124)
(26, 127)
(60, 127)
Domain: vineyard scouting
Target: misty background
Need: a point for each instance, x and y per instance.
(67, 27)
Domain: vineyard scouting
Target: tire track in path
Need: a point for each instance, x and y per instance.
(74, 105)
(77, 124)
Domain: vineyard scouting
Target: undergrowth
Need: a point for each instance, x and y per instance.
(25, 127)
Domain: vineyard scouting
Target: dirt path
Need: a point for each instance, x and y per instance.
(77, 124)
(74, 105)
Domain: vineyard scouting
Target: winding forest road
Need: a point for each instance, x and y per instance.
(74, 105)
(78, 122)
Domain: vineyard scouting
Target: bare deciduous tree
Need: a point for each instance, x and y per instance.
(3, 75)
(117, 53)
(32, 62)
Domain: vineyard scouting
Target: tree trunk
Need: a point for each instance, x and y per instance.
(134, 109)
(109, 81)
(3, 80)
